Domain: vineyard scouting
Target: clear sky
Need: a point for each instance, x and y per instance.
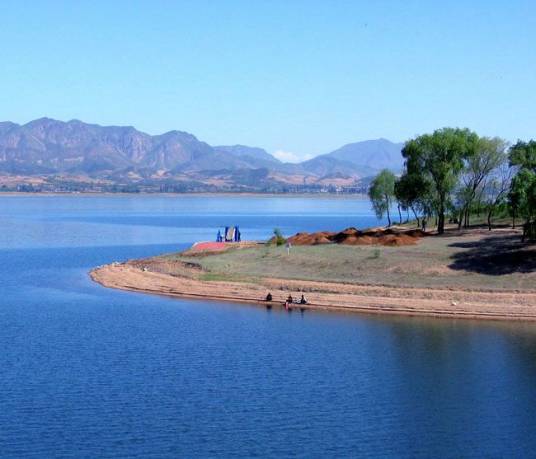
(298, 77)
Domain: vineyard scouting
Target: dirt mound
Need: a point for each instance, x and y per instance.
(348, 233)
(322, 237)
(210, 246)
(301, 239)
(393, 237)
(375, 232)
(416, 233)
(360, 240)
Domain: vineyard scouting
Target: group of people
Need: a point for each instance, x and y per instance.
(289, 300)
(231, 234)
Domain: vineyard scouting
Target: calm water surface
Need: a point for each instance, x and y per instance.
(91, 372)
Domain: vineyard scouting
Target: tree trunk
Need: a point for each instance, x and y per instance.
(441, 216)
(399, 214)
(441, 223)
(489, 218)
(416, 217)
(388, 202)
(513, 219)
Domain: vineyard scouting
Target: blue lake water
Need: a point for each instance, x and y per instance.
(92, 372)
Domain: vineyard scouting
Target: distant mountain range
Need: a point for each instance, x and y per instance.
(53, 155)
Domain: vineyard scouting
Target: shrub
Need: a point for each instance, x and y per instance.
(278, 237)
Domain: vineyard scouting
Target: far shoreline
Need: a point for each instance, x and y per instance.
(343, 196)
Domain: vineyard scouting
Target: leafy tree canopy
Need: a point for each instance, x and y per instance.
(523, 154)
(381, 193)
(439, 158)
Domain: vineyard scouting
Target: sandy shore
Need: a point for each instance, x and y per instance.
(504, 305)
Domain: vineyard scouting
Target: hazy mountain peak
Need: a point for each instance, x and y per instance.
(5, 125)
(362, 158)
(44, 121)
(244, 151)
(123, 154)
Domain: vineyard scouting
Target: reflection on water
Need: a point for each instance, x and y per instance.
(92, 372)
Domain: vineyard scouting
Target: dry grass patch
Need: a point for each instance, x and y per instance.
(471, 260)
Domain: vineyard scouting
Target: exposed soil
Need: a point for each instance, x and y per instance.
(392, 237)
(320, 295)
(207, 248)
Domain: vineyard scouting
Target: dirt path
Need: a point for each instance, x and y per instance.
(510, 305)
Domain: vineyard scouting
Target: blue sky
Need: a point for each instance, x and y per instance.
(296, 77)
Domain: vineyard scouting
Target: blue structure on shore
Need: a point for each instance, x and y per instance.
(231, 234)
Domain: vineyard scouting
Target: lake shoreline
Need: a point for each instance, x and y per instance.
(328, 296)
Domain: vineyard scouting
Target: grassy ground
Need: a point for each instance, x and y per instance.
(474, 259)
(501, 220)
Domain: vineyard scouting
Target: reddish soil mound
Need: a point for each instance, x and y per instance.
(359, 240)
(374, 232)
(348, 233)
(301, 239)
(322, 237)
(209, 246)
(416, 233)
(352, 236)
(328, 234)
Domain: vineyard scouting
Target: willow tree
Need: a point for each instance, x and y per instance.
(413, 192)
(523, 188)
(382, 193)
(496, 187)
(482, 172)
(439, 159)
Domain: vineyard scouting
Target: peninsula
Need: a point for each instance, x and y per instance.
(474, 274)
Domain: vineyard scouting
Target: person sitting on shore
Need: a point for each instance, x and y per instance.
(288, 303)
(303, 300)
(269, 297)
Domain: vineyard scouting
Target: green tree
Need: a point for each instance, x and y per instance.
(479, 166)
(412, 192)
(527, 180)
(516, 198)
(382, 192)
(439, 158)
(523, 154)
(522, 196)
(495, 189)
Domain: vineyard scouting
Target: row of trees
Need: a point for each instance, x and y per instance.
(455, 174)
